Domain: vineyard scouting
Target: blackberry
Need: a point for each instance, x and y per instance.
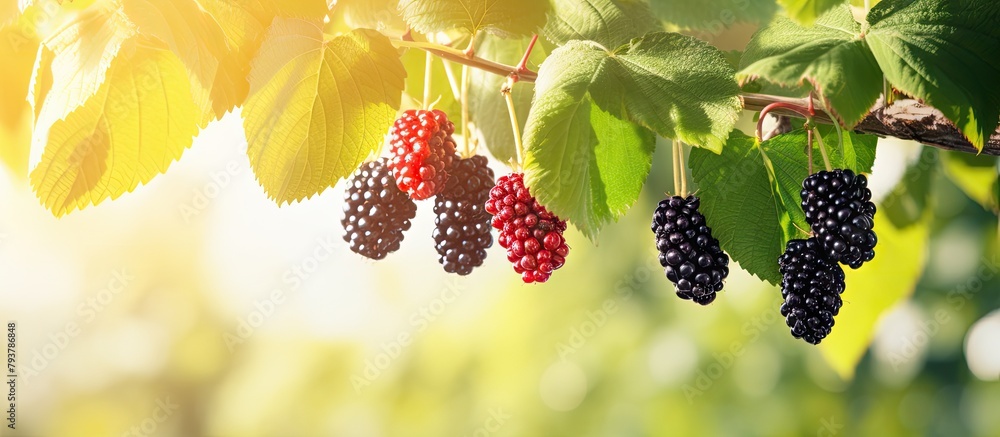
(462, 232)
(423, 151)
(839, 209)
(532, 235)
(376, 212)
(811, 285)
(691, 257)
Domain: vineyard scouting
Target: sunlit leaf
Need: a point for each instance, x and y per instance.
(608, 22)
(872, 290)
(830, 56)
(807, 11)
(196, 38)
(505, 18)
(946, 53)
(74, 68)
(139, 121)
(975, 175)
(713, 15)
(18, 51)
(317, 109)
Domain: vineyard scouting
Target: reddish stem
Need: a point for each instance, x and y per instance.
(523, 65)
(805, 112)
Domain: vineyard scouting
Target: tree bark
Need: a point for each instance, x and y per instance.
(906, 119)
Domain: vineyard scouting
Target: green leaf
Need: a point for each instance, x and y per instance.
(487, 107)
(713, 15)
(675, 85)
(751, 198)
(807, 11)
(611, 23)
(946, 53)
(582, 163)
(871, 290)
(830, 56)
(692, 98)
(975, 175)
(317, 109)
(503, 18)
(739, 205)
(907, 201)
(381, 15)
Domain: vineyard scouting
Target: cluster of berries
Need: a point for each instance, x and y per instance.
(838, 208)
(379, 203)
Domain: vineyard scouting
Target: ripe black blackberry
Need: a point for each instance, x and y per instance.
(376, 211)
(462, 232)
(839, 209)
(691, 257)
(811, 285)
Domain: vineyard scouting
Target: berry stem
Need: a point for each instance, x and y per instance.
(677, 168)
(518, 145)
(466, 131)
(428, 64)
(805, 112)
(683, 166)
(809, 153)
(822, 150)
(452, 80)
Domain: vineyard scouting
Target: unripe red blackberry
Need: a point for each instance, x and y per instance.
(811, 285)
(690, 256)
(839, 209)
(532, 235)
(462, 232)
(423, 151)
(376, 212)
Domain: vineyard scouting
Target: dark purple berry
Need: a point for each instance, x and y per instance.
(690, 256)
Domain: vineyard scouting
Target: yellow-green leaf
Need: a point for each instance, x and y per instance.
(873, 289)
(74, 67)
(318, 108)
(18, 52)
(197, 39)
(138, 122)
(976, 175)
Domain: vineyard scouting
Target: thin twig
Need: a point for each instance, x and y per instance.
(466, 131)
(459, 56)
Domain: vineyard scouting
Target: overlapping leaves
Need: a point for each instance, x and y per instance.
(592, 104)
(943, 52)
